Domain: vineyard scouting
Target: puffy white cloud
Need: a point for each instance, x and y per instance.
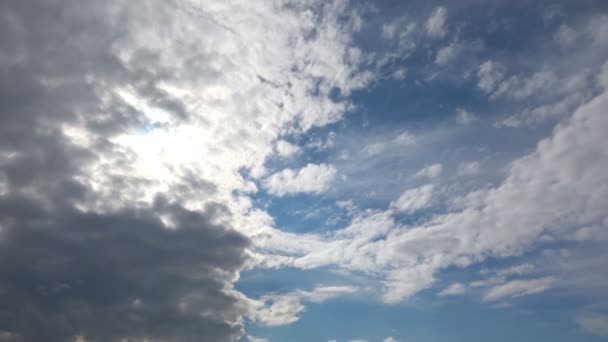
(414, 199)
(518, 288)
(435, 24)
(454, 290)
(469, 168)
(522, 269)
(448, 53)
(313, 178)
(399, 74)
(489, 75)
(565, 35)
(464, 116)
(520, 87)
(168, 113)
(402, 32)
(593, 322)
(405, 138)
(286, 149)
(430, 171)
(256, 339)
(551, 193)
(390, 339)
(282, 309)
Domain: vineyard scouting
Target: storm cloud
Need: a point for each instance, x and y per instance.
(78, 258)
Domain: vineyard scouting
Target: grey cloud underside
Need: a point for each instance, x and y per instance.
(120, 275)
(102, 275)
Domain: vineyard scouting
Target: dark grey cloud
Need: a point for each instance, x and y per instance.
(65, 273)
(104, 275)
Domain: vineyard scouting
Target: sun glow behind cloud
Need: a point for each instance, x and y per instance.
(389, 155)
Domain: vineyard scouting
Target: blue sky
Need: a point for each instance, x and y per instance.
(304, 171)
(472, 135)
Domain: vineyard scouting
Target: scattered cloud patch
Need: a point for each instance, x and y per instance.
(430, 171)
(469, 168)
(453, 290)
(465, 117)
(489, 75)
(593, 322)
(283, 309)
(518, 288)
(311, 179)
(436, 23)
(286, 149)
(414, 199)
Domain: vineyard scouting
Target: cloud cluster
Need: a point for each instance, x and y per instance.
(312, 178)
(550, 194)
(130, 137)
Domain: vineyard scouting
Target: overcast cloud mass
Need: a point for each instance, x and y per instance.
(185, 170)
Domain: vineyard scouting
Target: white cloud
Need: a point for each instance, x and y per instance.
(489, 75)
(256, 339)
(520, 87)
(390, 339)
(430, 171)
(313, 178)
(286, 149)
(518, 288)
(319, 144)
(565, 36)
(465, 117)
(569, 100)
(552, 192)
(469, 168)
(399, 74)
(405, 138)
(447, 53)
(435, 24)
(402, 32)
(593, 322)
(453, 290)
(239, 76)
(375, 148)
(283, 309)
(414, 199)
(513, 270)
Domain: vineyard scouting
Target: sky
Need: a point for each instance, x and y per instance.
(298, 171)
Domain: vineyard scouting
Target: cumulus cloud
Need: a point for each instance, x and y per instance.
(430, 171)
(453, 290)
(465, 117)
(522, 269)
(489, 75)
(518, 288)
(593, 322)
(546, 195)
(405, 138)
(282, 309)
(313, 178)
(130, 136)
(414, 199)
(401, 31)
(448, 53)
(286, 149)
(435, 24)
(469, 168)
